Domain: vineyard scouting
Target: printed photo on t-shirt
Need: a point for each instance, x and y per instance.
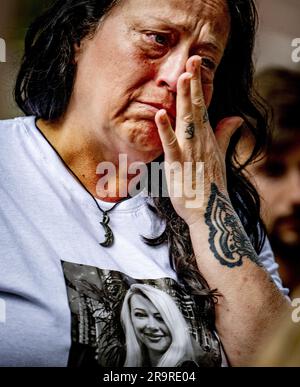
(119, 321)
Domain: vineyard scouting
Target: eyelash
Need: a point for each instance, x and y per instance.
(140, 315)
(208, 63)
(160, 35)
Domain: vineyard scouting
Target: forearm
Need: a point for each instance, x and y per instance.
(250, 303)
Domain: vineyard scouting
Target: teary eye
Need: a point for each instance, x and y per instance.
(208, 63)
(155, 44)
(160, 39)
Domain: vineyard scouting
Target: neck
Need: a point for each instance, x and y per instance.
(101, 169)
(154, 357)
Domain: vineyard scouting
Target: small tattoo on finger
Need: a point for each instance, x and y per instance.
(190, 131)
(205, 116)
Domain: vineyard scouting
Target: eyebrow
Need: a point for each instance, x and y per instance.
(208, 45)
(174, 25)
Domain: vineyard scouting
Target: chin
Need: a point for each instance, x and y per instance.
(145, 155)
(140, 140)
(145, 138)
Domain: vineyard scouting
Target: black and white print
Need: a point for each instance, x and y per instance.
(118, 321)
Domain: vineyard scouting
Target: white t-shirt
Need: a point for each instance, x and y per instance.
(58, 286)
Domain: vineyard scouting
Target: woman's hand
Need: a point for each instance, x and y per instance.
(224, 254)
(193, 146)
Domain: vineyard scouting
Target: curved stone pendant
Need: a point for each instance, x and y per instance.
(109, 236)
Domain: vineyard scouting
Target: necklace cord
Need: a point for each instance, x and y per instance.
(108, 233)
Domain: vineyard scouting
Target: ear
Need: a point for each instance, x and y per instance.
(77, 51)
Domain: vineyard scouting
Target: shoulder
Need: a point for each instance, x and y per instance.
(19, 124)
(15, 129)
(13, 133)
(17, 148)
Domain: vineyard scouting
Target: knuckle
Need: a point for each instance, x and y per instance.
(198, 102)
(188, 119)
(173, 143)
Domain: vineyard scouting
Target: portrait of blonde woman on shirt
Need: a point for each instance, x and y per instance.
(156, 333)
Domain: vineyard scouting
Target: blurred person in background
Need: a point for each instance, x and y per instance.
(277, 174)
(277, 178)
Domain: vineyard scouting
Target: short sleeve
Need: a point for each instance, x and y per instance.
(267, 259)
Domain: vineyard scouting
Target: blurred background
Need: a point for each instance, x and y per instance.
(15, 15)
(279, 25)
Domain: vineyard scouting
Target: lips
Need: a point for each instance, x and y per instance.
(170, 108)
(153, 338)
(290, 221)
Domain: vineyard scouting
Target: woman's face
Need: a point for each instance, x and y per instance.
(129, 69)
(148, 325)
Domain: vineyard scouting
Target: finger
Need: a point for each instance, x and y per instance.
(185, 119)
(167, 136)
(225, 130)
(198, 102)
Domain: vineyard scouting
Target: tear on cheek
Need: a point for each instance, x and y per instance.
(147, 67)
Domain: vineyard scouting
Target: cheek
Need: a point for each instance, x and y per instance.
(138, 324)
(264, 187)
(270, 189)
(133, 79)
(144, 68)
(164, 329)
(271, 197)
(208, 89)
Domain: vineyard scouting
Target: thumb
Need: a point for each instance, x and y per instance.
(225, 130)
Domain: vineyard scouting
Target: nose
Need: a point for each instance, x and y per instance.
(151, 324)
(293, 192)
(171, 68)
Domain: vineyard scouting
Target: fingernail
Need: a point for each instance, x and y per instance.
(188, 80)
(163, 117)
(196, 66)
(239, 123)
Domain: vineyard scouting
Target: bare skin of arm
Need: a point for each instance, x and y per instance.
(250, 303)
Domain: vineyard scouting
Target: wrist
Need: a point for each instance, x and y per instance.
(197, 224)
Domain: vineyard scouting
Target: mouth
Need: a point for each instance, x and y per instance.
(156, 106)
(290, 222)
(153, 338)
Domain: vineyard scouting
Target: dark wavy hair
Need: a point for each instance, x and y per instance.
(45, 83)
